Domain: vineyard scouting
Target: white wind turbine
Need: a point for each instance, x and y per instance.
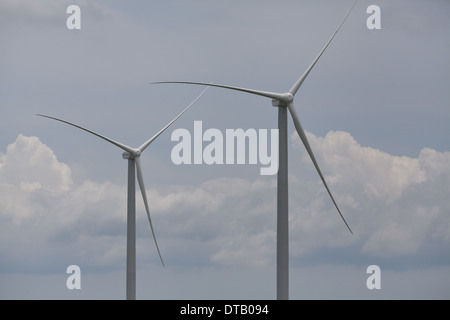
(133, 155)
(285, 101)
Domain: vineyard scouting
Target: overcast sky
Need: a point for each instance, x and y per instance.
(376, 109)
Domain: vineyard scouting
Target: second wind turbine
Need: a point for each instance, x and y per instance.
(133, 155)
(285, 101)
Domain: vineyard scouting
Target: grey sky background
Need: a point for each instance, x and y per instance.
(376, 109)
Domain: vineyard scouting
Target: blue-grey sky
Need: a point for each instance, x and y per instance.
(376, 109)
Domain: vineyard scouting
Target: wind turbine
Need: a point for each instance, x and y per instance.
(285, 101)
(133, 156)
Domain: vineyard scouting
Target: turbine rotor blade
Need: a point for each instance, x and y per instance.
(267, 94)
(305, 141)
(137, 160)
(147, 143)
(299, 82)
(118, 144)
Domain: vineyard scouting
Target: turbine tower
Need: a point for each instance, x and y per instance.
(133, 155)
(284, 102)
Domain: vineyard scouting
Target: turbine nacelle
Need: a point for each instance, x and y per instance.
(135, 153)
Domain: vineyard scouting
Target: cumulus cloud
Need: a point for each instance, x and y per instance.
(397, 207)
(43, 213)
(230, 220)
(382, 175)
(395, 204)
(31, 165)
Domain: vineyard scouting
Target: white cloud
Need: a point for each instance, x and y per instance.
(43, 213)
(379, 175)
(395, 204)
(231, 217)
(27, 168)
(31, 165)
(225, 221)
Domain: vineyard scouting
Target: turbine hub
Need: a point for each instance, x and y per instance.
(285, 100)
(136, 153)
